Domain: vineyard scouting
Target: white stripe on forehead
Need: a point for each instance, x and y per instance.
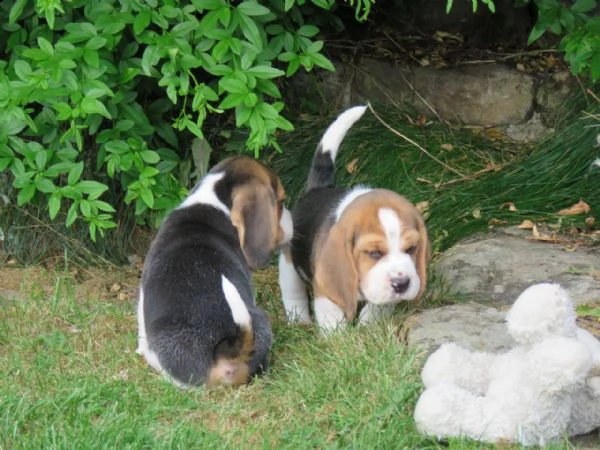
(349, 198)
(391, 227)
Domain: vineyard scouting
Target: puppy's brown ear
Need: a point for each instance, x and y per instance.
(254, 214)
(422, 257)
(336, 274)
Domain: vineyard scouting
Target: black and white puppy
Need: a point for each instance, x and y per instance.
(197, 317)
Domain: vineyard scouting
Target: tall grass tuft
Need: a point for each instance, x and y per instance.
(539, 180)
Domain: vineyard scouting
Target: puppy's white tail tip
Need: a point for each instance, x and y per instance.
(239, 310)
(337, 130)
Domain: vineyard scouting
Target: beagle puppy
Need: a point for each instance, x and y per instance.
(197, 317)
(352, 246)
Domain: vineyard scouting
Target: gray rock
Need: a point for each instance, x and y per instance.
(478, 95)
(472, 326)
(499, 267)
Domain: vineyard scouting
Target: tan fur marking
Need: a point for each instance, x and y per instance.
(256, 208)
(233, 371)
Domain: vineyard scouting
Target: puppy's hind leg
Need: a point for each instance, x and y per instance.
(263, 341)
(293, 291)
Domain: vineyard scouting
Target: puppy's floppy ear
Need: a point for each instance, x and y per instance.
(336, 274)
(422, 257)
(254, 214)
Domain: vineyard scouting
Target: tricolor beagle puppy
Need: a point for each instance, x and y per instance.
(197, 317)
(351, 245)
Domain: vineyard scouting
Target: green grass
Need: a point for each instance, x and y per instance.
(540, 180)
(71, 380)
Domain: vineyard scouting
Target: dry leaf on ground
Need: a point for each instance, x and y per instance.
(510, 205)
(578, 208)
(352, 166)
(526, 225)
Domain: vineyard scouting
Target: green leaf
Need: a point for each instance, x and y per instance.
(184, 28)
(284, 124)
(45, 46)
(325, 4)
(269, 88)
(85, 208)
(536, 32)
(150, 156)
(250, 32)
(595, 66)
(96, 43)
(44, 185)
(90, 187)
(4, 163)
(91, 57)
(16, 11)
(75, 173)
(265, 72)
(293, 67)
(242, 115)
(321, 61)
(583, 6)
(94, 106)
(22, 69)
(252, 8)
(308, 31)
(41, 158)
(103, 206)
(233, 86)
(72, 214)
(210, 5)
(26, 194)
(232, 100)
(288, 4)
(92, 229)
(141, 21)
(54, 204)
(147, 196)
(63, 109)
(150, 58)
(219, 70)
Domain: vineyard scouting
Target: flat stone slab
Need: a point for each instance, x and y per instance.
(497, 268)
(473, 326)
(478, 95)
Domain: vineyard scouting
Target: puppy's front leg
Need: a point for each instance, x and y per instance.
(293, 291)
(328, 315)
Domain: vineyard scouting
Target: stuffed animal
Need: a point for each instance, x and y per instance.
(546, 387)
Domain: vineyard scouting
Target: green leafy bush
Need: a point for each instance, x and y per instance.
(580, 29)
(100, 99)
(576, 22)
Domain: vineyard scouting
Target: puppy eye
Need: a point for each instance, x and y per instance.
(411, 250)
(375, 254)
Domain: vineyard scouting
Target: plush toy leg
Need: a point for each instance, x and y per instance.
(453, 364)
(585, 412)
(446, 410)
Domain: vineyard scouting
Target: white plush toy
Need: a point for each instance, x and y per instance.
(545, 388)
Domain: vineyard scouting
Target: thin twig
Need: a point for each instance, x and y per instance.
(397, 133)
(472, 176)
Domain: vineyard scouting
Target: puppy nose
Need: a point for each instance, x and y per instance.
(400, 284)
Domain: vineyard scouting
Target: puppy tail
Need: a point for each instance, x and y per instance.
(322, 170)
(233, 355)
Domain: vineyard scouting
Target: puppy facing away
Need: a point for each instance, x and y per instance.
(350, 245)
(197, 317)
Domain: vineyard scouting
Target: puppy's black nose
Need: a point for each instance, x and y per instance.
(400, 284)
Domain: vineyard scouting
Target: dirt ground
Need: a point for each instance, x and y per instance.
(118, 283)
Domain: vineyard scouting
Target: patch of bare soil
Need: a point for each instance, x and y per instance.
(117, 284)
